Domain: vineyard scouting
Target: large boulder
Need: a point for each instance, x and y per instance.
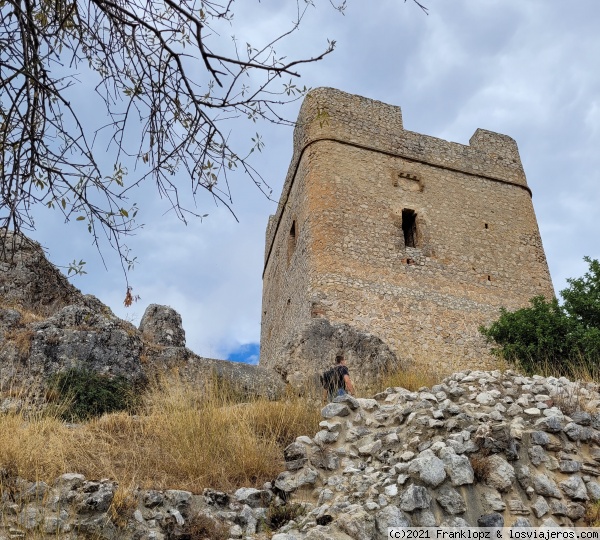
(316, 345)
(162, 325)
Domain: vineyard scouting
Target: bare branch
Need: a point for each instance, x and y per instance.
(168, 83)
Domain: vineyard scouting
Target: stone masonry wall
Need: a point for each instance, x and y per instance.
(486, 449)
(354, 170)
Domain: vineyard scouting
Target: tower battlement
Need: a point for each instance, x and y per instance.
(409, 237)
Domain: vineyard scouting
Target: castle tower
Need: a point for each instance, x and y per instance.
(403, 236)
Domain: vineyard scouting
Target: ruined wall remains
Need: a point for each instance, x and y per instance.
(411, 238)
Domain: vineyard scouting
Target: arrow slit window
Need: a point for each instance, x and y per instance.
(409, 227)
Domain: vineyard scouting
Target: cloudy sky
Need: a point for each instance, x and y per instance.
(528, 69)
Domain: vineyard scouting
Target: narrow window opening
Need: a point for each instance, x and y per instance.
(489, 278)
(291, 241)
(486, 225)
(409, 227)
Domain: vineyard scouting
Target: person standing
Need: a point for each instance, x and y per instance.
(341, 383)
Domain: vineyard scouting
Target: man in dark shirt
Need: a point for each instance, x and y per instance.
(343, 383)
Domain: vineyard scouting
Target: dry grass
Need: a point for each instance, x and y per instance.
(203, 527)
(123, 505)
(277, 516)
(482, 466)
(592, 514)
(412, 379)
(570, 400)
(424, 371)
(579, 369)
(182, 438)
(27, 316)
(580, 372)
(21, 339)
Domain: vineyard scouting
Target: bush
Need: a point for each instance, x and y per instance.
(561, 339)
(86, 394)
(198, 527)
(278, 515)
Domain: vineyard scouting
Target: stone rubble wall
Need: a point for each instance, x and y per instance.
(479, 449)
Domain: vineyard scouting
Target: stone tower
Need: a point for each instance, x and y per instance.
(395, 235)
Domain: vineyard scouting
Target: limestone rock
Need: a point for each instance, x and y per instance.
(359, 525)
(451, 501)
(29, 281)
(429, 468)
(545, 486)
(415, 497)
(574, 488)
(288, 482)
(502, 474)
(490, 520)
(459, 468)
(254, 498)
(316, 345)
(162, 325)
(47, 326)
(335, 409)
(390, 516)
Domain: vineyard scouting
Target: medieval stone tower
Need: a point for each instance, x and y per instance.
(401, 236)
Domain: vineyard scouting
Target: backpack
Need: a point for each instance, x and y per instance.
(331, 380)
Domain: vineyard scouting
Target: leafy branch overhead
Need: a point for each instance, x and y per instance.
(168, 75)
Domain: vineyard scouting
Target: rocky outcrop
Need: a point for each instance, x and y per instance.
(30, 282)
(75, 337)
(165, 352)
(479, 449)
(243, 379)
(48, 326)
(317, 344)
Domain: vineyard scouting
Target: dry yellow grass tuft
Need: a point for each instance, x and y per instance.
(27, 316)
(21, 338)
(424, 373)
(34, 448)
(123, 505)
(579, 370)
(412, 379)
(182, 437)
(592, 514)
(482, 466)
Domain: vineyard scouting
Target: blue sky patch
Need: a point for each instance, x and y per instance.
(246, 353)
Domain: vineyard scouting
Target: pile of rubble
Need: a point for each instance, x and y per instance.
(479, 449)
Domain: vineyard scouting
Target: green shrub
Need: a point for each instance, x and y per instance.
(85, 394)
(562, 339)
(278, 515)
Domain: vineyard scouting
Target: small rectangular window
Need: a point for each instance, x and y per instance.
(409, 227)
